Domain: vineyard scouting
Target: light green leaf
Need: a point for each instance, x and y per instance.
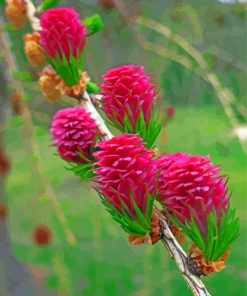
(92, 87)
(218, 236)
(94, 24)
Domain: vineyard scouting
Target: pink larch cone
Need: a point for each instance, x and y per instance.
(125, 170)
(62, 32)
(74, 133)
(191, 186)
(126, 91)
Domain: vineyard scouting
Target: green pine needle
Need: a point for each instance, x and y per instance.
(68, 69)
(217, 238)
(23, 75)
(137, 225)
(84, 171)
(148, 132)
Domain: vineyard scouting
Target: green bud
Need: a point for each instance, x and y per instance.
(92, 87)
(94, 24)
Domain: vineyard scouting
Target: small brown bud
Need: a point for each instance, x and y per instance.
(4, 163)
(33, 50)
(16, 103)
(107, 4)
(42, 235)
(3, 211)
(16, 13)
(49, 82)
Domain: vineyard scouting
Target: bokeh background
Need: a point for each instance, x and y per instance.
(196, 52)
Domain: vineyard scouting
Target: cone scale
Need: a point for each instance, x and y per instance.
(74, 134)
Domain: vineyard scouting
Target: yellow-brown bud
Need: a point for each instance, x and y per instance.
(16, 13)
(49, 85)
(201, 265)
(77, 89)
(33, 50)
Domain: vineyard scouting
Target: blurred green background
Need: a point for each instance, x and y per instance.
(203, 76)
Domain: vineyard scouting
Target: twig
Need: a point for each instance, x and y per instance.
(177, 253)
(196, 285)
(167, 53)
(226, 57)
(87, 103)
(31, 14)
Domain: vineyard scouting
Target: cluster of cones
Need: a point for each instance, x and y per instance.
(53, 87)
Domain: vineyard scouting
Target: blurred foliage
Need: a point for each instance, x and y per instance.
(23, 75)
(46, 4)
(213, 28)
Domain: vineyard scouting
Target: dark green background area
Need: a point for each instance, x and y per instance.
(103, 263)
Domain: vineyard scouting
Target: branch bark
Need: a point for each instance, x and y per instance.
(177, 253)
(87, 103)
